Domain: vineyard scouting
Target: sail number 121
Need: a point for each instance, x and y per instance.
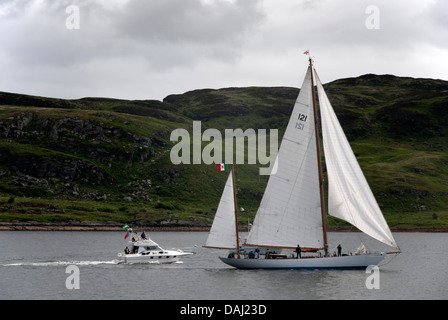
(302, 118)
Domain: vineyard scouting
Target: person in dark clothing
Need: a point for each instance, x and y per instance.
(299, 252)
(339, 250)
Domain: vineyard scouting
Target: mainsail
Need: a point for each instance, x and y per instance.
(223, 232)
(289, 212)
(349, 195)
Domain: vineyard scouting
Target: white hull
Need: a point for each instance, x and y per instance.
(151, 257)
(343, 262)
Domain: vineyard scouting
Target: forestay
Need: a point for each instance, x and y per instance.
(349, 195)
(289, 213)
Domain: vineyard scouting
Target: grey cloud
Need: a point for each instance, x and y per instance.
(35, 33)
(436, 17)
(182, 33)
(189, 20)
(136, 46)
(166, 33)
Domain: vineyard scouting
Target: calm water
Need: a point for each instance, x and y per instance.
(33, 266)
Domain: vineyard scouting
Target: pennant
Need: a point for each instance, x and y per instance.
(222, 167)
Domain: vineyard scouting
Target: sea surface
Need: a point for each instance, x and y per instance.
(42, 265)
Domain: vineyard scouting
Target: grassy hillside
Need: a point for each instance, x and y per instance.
(101, 159)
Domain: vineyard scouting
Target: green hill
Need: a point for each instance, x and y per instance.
(101, 159)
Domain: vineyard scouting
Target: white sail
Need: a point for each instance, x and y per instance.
(349, 195)
(290, 211)
(223, 232)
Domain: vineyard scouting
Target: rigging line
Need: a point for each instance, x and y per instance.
(319, 160)
(383, 263)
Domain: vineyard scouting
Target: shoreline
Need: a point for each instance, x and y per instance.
(83, 226)
(96, 226)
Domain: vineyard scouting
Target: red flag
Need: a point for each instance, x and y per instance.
(127, 235)
(307, 52)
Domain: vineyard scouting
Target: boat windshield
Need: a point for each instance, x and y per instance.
(152, 248)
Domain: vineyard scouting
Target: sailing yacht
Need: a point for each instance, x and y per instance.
(292, 211)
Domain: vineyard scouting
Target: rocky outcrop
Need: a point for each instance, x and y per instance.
(52, 155)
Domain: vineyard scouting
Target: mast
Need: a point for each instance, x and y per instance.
(321, 183)
(236, 214)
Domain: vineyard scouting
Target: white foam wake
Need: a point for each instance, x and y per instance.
(58, 263)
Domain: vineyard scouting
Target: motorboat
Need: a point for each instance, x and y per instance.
(146, 250)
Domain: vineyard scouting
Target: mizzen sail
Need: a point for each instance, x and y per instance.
(223, 231)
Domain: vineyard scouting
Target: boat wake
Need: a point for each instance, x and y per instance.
(67, 263)
(58, 263)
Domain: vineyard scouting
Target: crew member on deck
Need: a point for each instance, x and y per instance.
(299, 251)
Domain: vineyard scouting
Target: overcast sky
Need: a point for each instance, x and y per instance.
(148, 49)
